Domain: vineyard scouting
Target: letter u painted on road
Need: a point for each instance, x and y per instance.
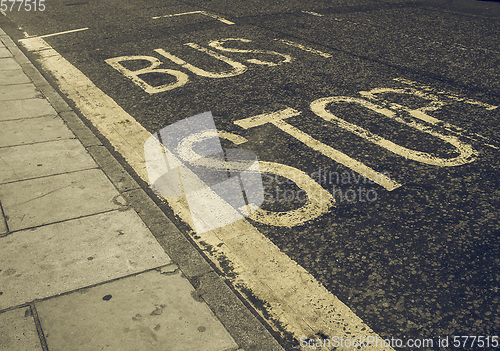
(235, 68)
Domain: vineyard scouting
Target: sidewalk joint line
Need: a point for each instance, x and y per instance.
(5, 221)
(12, 308)
(36, 142)
(21, 118)
(38, 324)
(48, 175)
(64, 293)
(64, 220)
(33, 302)
(11, 84)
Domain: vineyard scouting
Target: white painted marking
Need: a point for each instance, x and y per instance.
(466, 152)
(277, 118)
(305, 48)
(60, 33)
(264, 118)
(178, 14)
(295, 298)
(3, 13)
(186, 151)
(447, 94)
(223, 20)
(181, 77)
(313, 13)
(434, 105)
(234, 138)
(34, 44)
(218, 18)
(219, 45)
(208, 210)
(238, 68)
(317, 201)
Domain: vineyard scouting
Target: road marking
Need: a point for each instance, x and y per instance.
(317, 202)
(426, 92)
(313, 13)
(466, 152)
(234, 138)
(447, 94)
(295, 300)
(219, 45)
(218, 18)
(305, 48)
(278, 119)
(181, 77)
(65, 32)
(238, 68)
(51, 35)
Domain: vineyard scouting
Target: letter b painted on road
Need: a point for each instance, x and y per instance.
(181, 78)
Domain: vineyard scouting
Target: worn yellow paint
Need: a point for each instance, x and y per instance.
(293, 297)
(278, 119)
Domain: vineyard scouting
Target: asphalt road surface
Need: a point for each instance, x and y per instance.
(391, 106)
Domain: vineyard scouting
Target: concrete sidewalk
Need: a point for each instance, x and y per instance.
(87, 259)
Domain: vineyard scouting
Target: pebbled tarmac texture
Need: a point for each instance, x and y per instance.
(421, 261)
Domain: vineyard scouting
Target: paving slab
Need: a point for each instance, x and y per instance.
(149, 311)
(43, 159)
(19, 92)
(12, 47)
(4, 52)
(18, 331)
(8, 63)
(33, 130)
(62, 257)
(175, 243)
(41, 201)
(27, 108)
(16, 76)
